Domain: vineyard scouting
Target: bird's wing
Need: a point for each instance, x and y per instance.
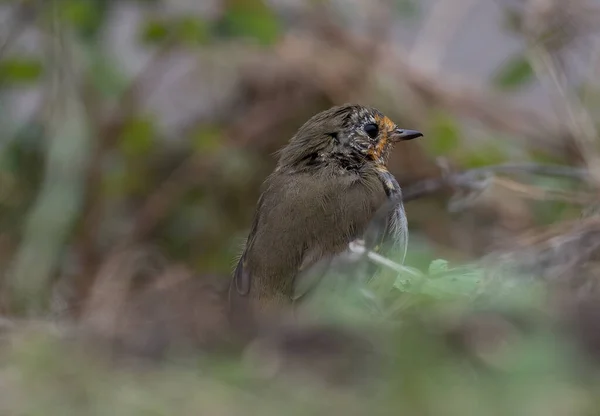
(388, 231)
(242, 279)
(310, 273)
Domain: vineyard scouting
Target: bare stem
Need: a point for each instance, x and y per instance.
(578, 119)
(468, 179)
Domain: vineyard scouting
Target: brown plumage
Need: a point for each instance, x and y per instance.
(328, 184)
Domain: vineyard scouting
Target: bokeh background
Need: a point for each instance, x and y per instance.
(153, 123)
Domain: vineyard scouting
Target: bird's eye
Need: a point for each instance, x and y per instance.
(372, 130)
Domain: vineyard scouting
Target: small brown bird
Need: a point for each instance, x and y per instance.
(329, 182)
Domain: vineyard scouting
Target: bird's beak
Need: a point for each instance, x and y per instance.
(402, 134)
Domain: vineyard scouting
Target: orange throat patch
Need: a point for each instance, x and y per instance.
(386, 126)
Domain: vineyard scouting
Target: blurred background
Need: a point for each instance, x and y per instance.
(152, 123)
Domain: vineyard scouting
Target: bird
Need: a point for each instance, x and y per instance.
(330, 180)
(329, 184)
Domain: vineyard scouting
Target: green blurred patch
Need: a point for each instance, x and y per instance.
(490, 153)
(105, 75)
(512, 21)
(206, 139)
(515, 73)
(445, 135)
(191, 30)
(540, 156)
(407, 8)
(547, 213)
(442, 282)
(126, 179)
(154, 30)
(138, 136)
(86, 16)
(438, 266)
(16, 71)
(251, 19)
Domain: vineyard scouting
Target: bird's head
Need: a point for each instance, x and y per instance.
(350, 135)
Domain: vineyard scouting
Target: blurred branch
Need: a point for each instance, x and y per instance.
(471, 179)
(462, 99)
(17, 25)
(158, 204)
(252, 126)
(58, 202)
(593, 75)
(582, 126)
(549, 27)
(542, 194)
(108, 132)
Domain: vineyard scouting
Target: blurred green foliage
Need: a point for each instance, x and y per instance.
(515, 73)
(252, 19)
(16, 71)
(189, 30)
(138, 137)
(445, 134)
(531, 370)
(86, 16)
(491, 153)
(407, 8)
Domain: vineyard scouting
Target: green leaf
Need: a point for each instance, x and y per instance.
(251, 19)
(438, 266)
(20, 70)
(453, 285)
(443, 282)
(516, 72)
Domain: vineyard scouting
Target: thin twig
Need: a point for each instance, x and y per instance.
(532, 127)
(593, 75)
(358, 247)
(580, 123)
(543, 194)
(468, 178)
